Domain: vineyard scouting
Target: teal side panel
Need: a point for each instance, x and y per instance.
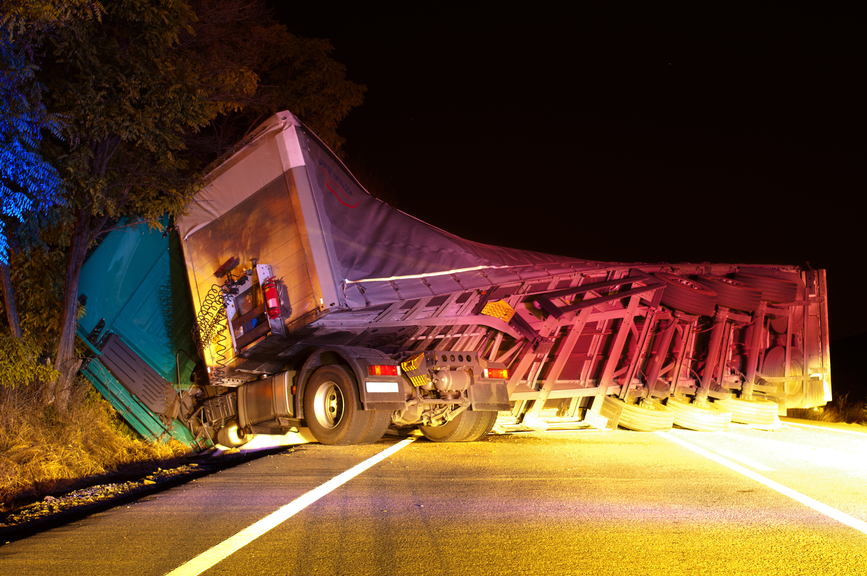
(134, 412)
(135, 281)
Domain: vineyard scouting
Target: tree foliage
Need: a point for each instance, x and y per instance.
(29, 185)
(27, 181)
(19, 362)
(127, 98)
(270, 70)
(115, 107)
(29, 16)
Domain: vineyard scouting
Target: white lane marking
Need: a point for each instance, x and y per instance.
(743, 460)
(228, 547)
(826, 429)
(837, 515)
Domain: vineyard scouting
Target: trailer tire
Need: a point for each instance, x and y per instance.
(704, 417)
(332, 409)
(779, 324)
(755, 411)
(650, 417)
(733, 293)
(468, 426)
(775, 365)
(776, 290)
(232, 436)
(687, 295)
(380, 420)
(484, 424)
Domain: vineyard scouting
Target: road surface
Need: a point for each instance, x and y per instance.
(790, 501)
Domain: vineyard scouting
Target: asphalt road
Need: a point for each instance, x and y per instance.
(790, 501)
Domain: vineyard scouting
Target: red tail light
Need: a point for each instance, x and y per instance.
(383, 370)
(497, 373)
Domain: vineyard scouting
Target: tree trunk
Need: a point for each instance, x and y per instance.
(65, 362)
(9, 301)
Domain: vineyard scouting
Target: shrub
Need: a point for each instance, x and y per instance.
(42, 451)
(20, 362)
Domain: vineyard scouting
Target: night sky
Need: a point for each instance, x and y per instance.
(617, 133)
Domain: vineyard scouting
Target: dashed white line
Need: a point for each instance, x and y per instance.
(228, 547)
(842, 517)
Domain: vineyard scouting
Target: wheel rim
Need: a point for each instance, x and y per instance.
(328, 405)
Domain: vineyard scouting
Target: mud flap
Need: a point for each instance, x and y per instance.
(489, 395)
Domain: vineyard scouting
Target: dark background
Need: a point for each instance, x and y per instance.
(616, 132)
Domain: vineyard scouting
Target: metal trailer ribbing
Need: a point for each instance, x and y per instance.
(643, 346)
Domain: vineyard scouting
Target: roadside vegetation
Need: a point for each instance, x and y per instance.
(110, 112)
(42, 453)
(840, 409)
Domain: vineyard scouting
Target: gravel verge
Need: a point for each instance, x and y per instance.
(108, 491)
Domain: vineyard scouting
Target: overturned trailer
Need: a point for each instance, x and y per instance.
(289, 300)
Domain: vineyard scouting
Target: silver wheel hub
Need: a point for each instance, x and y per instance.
(328, 405)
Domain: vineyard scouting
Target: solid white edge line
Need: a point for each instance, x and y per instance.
(837, 515)
(744, 460)
(228, 547)
(825, 428)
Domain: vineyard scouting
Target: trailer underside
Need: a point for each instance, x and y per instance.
(642, 346)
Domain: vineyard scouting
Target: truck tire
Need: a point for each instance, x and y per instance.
(733, 293)
(776, 290)
(755, 411)
(779, 324)
(231, 436)
(380, 420)
(652, 416)
(465, 427)
(705, 417)
(686, 295)
(775, 365)
(332, 409)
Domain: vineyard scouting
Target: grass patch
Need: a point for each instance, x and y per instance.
(840, 409)
(43, 452)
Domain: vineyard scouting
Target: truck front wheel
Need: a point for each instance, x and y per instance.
(465, 427)
(332, 408)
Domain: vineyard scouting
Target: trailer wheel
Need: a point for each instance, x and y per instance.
(779, 323)
(733, 293)
(756, 411)
(782, 293)
(704, 416)
(650, 416)
(332, 409)
(380, 420)
(775, 365)
(686, 295)
(775, 290)
(231, 435)
(465, 427)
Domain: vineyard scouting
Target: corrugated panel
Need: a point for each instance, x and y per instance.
(136, 376)
(132, 411)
